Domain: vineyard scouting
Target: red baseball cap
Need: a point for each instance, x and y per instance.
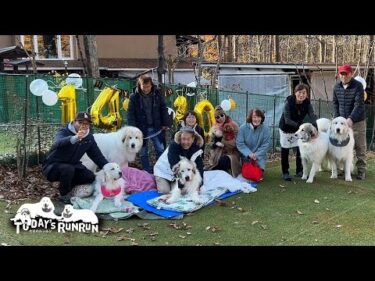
(345, 68)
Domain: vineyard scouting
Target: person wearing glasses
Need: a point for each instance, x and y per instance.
(63, 161)
(229, 160)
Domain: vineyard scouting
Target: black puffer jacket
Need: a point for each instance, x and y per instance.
(349, 102)
(137, 115)
(294, 114)
(63, 151)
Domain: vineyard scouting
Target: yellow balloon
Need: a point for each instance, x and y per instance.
(365, 96)
(181, 106)
(113, 119)
(233, 104)
(202, 108)
(125, 104)
(67, 96)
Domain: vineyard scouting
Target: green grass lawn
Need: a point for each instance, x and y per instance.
(327, 212)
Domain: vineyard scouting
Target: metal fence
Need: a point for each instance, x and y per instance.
(19, 109)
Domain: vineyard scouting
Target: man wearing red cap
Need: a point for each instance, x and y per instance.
(348, 102)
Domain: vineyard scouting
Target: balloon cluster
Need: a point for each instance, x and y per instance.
(228, 104)
(39, 87)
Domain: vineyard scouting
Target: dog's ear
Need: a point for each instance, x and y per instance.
(313, 131)
(176, 168)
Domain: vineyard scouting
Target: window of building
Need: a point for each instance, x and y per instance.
(50, 46)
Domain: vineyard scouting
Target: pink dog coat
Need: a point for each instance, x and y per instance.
(110, 193)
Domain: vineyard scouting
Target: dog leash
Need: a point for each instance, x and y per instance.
(153, 135)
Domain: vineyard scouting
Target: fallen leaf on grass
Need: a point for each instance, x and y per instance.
(125, 238)
(299, 212)
(113, 229)
(130, 230)
(188, 233)
(217, 243)
(134, 244)
(240, 209)
(281, 185)
(315, 222)
(221, 203)
(4, 244)
(254, 222)
(153, 234)
(316, 201)
(263, 226)
(144, 225)
(208, 227)
(339, 225)
(181, 236)
(67, 238)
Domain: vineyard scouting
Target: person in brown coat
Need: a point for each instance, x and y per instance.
(229, 160)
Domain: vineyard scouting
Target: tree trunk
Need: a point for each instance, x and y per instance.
(83, 60)
(161, 59)
(334, 49)
(89, 42)
(236, 48)
(321, 49)
(276, 48)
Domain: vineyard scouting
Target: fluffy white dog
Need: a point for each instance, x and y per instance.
(70, 214)
(313, 146)
(109, 183)
(341, 146)
(188, 179)
(119, 147)
(44, 208)
(323, 124)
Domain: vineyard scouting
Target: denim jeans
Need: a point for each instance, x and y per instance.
(159, 148)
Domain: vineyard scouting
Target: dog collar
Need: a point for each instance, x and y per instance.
(110, 193)
(335, 142)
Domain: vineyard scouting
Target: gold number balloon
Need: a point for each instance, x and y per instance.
(202, 108)
(233, 104)
(112, 121)
(181, 106)
(67, 96)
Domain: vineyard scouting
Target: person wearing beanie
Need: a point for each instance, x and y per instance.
(63, 163)
(348, 102)
(229, 160)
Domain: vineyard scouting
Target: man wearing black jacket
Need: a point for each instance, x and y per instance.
(63, 162)
(348, 102)
(148, 112)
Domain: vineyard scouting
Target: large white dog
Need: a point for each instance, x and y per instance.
(341, 146)
(119, 147)
(188, 180)
(109, 183)
(313, 146)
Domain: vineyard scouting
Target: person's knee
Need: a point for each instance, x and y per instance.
(66, 170)
(163, 186)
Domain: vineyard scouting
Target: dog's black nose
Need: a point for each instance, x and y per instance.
(187, 178)
(338, 130)
(133, 145)
(120, 174)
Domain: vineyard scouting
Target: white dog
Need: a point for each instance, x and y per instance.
(119, 147)
(188, 179)
(44, 208)
(23, 216)
(109, 183)
(313, 146)
(70, 214)
(341, 146)
(323, 124)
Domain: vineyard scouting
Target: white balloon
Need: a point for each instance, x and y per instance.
(38, 86)
(225, 105)
(75, 79)
(49, 98)
(363, 81)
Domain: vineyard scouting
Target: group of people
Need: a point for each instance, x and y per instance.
(250, 142)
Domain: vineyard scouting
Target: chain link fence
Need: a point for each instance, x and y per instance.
(19, 109)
